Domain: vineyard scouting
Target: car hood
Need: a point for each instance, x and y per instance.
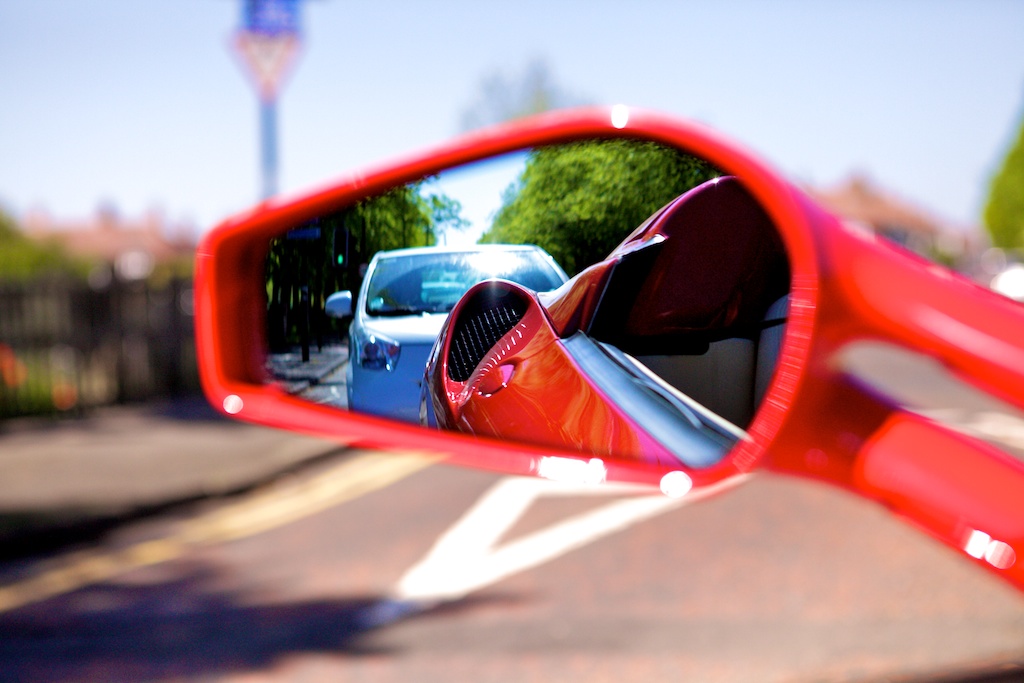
(407, 329)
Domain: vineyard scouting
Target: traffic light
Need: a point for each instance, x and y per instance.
(340, 250)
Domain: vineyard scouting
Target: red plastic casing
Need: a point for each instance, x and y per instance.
(816, 421)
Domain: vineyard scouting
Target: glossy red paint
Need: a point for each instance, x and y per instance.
(710, 263)
(568, 306)
(815, 421)
(529, 385)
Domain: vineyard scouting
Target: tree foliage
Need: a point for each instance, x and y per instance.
(330, 253)
(579, 201)
(1004, 212)
(22, 258)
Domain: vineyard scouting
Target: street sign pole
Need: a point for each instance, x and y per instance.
(268, 43)
(268, 146)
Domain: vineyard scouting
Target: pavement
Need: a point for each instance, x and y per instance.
(64, 481)
(297, 375)
(319, 378)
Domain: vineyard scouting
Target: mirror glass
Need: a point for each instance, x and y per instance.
(634, 305)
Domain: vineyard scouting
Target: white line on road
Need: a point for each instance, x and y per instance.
(466, 558)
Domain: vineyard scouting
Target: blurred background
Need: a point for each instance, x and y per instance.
(143, 537)
(129, 129)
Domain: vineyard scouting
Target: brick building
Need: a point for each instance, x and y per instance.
(862, 203)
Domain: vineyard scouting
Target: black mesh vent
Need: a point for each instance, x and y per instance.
(485, 320)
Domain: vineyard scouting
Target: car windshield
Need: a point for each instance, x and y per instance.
(412, 284)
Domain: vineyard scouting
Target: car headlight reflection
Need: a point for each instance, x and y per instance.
(377, 352)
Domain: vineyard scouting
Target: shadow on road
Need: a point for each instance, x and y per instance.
(187, 408)
(183, 629)
(1001, 674)
(35, 533)
(186, 628)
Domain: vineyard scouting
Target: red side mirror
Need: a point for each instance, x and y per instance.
(809, 416)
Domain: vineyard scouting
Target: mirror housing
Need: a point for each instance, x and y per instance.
(230, 319)
(816, 420)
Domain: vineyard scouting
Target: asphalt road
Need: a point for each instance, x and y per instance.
(383, 567)
(778, 580)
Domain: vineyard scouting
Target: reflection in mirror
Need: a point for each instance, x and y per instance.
(446, 302)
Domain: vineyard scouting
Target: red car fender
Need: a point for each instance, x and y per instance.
(527, 362)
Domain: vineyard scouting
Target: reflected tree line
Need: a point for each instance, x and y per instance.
(330, 254)
(580, 200)
(577, 201)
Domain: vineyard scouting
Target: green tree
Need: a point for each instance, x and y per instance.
(22, 258)
(579, 201)
(446, 214)
(328, 255)
(1004, 212)
(406, 216)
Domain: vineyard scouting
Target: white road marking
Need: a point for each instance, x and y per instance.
(466, 558)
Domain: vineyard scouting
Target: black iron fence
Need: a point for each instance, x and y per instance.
(67, 347)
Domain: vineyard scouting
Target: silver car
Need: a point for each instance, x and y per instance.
(402, 304)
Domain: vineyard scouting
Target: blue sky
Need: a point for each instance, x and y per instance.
(142, 104)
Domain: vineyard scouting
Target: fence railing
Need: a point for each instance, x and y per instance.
(67, 347)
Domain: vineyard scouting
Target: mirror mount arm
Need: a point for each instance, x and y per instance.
(964, 492)
(900, 298)
(956, 487)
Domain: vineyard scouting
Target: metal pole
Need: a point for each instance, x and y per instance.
(268, 145)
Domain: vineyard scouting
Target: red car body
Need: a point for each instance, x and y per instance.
(703, 270)
(815, 420)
